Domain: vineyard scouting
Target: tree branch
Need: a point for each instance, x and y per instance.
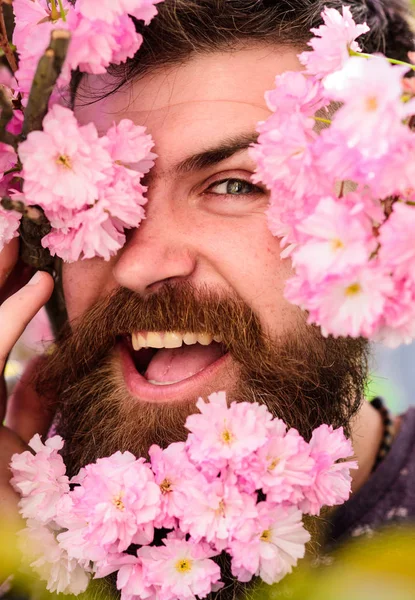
(4, 40)
(5, 117)
(46, 76)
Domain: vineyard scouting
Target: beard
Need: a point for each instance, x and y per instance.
(303, 378)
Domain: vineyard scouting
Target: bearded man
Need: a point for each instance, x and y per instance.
(194, 303)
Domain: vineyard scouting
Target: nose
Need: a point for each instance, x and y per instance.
(158, 252)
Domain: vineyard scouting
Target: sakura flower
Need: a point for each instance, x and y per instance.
(40, 478)
(284, 156)
(338, 235)
(117, 500)
(9, 225)
(349, 304)
(295, 91)
(93, 233)
(178, 479)
(64, 163)
(278, 541)
(8, 157)
(398, 323)
(132, 582)
(96, 44)
(131, 145)
(220, 434)
(333, 480)
(216, 511)
(282, 467)
(333, 42)
(371, 91)
(181, 569)
(63, 574)
(395, 235)
(108, 10)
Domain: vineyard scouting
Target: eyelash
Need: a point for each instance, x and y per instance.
(255, 189)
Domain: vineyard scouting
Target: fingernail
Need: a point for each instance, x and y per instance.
(36, 278)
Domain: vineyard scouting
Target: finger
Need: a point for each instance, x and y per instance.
(18, 310)
(27, 412)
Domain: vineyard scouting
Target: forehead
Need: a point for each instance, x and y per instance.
(193, 105)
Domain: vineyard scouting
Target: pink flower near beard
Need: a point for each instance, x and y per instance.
(181, 569)
(178, 480)
(276, 544)
(334, 39)
(40, 478)
(117, 500)
(332, 484)
(222, 435)
(63, 574)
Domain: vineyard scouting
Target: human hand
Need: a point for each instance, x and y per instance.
(23, 415)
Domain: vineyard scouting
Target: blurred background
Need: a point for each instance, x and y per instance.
(392, 372)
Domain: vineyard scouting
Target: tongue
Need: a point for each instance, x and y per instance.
(170, 365)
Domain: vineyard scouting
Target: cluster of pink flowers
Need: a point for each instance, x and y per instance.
(88, 186)
(336, 155)
(239, 485)
(102, 33)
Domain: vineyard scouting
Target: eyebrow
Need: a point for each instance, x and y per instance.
(212, 156)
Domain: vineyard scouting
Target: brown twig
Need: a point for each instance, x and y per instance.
(5, 117)
(4, 40)
(46, 76)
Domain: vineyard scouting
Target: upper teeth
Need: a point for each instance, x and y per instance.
(170, 339)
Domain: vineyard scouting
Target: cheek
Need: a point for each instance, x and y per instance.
(250, 254)
(85, 282)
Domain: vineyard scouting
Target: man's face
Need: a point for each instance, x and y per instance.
(205, 222)
(202, 262)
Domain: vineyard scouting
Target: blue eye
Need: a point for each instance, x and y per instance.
(233, 187)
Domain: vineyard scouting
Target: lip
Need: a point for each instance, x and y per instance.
(139, 386)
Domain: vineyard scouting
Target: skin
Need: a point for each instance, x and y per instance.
(193, 231)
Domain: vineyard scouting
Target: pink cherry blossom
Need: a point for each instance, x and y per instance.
(284, 157)
(216, 511)
(40, 478)
(181, 569)
(397, 250)
(130, 145)
(64, 163)
(398, 323)
(332, 42)
(96, 44)
(294, 92)
(132, 582)
(117, 500)
(349, 304)
(333, 481)
(372, 89)
(277, 542)
(222, 434)
(108, 10)
(337, 235)
(63, 574)
(178, 479)
(282, 467)
(9, 225)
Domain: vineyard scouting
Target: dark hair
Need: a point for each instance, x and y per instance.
(186, 27)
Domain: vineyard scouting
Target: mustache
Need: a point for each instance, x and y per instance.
(87, 341)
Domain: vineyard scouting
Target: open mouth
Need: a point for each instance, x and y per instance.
(159, 364)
